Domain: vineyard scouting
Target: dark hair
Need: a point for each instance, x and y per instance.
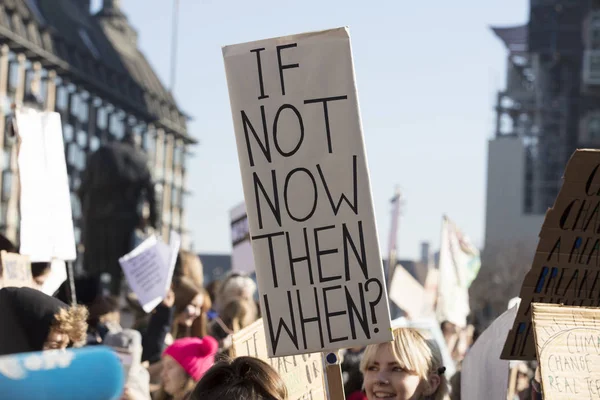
(244, 378)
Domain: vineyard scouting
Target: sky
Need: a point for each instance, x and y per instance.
(427, 75)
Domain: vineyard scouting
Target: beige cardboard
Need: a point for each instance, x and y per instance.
(568, 348)
(565, 267)
(303, 374)
(16, 270)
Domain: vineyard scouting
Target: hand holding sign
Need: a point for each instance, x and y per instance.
(149, 269)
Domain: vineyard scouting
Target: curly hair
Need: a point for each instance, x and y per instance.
(72, 321)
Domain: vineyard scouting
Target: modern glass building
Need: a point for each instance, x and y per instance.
(90, 70)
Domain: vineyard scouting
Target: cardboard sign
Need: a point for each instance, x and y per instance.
(241, 254)
(16, 270)
(46, 219)
(302, 374)
(149, 269)
(308, 193)
(568, 349)
(565, 269)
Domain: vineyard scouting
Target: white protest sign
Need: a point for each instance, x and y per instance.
(46, 219)
(307, 192)
(149, 269)
(484, 374)
(242, 259)
(407, 293)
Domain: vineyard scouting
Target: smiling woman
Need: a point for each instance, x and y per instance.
(408, 368)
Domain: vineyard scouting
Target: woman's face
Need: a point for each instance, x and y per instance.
(56, 340)
(385, 379)
(173, 376)
(192, 311)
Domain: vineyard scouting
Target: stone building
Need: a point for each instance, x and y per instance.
(88, 67)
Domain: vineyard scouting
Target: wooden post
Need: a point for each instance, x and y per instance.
(334, 383)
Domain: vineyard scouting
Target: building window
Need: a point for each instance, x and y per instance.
(594, 30)
(62, 98)
(68, 133)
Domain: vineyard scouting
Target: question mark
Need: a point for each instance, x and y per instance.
(372, 304)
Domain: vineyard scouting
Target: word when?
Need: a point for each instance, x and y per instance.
(314, 306)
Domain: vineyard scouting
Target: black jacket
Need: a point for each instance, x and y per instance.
(25, 319)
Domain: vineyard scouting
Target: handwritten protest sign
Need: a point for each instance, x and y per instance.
(568, 348)
(565, 268)
(308, 193)
(302, 374)
(16, 270)
(46, 218)
(149, 269)
(241, 253)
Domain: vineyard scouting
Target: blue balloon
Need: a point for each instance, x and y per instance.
(90, 373)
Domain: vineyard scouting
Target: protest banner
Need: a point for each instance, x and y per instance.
(565, 267)
(45, 199)
(149, 269)
(307, 192)
(568, 349)
(16, 270)
(242, 259)
(302, 374)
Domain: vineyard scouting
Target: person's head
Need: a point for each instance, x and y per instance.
(408, 368)
(191, 305)
(69, 327)
(40, 272)
(188, 265)
(185, 362)
(239, 313)
(46, 322)
(213, 289)
(234, 287)
(244, 378)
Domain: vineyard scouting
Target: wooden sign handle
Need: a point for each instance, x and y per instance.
(333, 376)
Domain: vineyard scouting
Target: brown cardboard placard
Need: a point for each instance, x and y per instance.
(568, 348)
(565, 268)
(303, 374)
(16, 270)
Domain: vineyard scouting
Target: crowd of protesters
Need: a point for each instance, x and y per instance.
(182, 349)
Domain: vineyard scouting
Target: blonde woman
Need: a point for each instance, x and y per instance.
(408, 368)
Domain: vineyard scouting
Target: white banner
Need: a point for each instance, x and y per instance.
(46, 219)
(307, 191)
(458, 266)
(241, 254)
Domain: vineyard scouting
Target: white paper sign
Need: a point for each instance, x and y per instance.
(46, 219)
(242, 259)
(307, 192)
(149, 269)
(407, 293)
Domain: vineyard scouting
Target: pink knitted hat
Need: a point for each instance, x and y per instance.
(195, 355)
